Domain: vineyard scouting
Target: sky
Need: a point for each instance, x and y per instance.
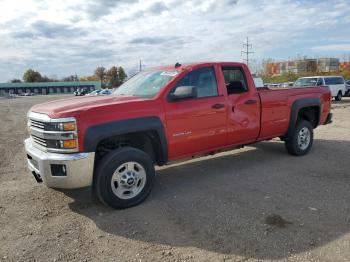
(64, 37)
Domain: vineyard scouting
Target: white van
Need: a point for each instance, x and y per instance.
(335, 83)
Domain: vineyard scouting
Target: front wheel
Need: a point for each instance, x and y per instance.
(124, 177)
(301, 141)
(339, 96)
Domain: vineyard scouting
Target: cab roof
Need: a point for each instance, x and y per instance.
(191, 66)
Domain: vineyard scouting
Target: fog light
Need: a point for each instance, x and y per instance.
(58, 170)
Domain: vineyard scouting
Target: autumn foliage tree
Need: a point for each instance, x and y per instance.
(115, 76)
(112, 78)
(31, 76)
(100, 73)
(346, 72)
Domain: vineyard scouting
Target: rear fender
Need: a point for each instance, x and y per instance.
(296, 107)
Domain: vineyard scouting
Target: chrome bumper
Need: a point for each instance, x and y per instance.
(60, 170)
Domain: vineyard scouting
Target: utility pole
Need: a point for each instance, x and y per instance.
(142, 65)
(247, 51)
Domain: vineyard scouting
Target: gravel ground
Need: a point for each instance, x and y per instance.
(252, 204)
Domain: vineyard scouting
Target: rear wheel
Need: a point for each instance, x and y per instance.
(339, 96)
(124, 177)
(301, 141)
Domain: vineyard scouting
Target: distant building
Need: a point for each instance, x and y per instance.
(302, 66)
(328, 64)
(45, 88)
(273, 68)
(288, 66)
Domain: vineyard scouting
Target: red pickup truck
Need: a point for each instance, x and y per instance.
(112, 143)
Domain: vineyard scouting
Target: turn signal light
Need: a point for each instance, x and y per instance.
(69, 144)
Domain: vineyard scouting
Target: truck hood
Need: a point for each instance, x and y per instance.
(73, 106)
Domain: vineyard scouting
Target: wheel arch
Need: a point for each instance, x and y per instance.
(143, 132)
(308, 109)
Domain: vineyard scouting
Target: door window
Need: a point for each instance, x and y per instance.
(340, 81)
(320, 82)
(334, 80)
(234, 80)
(203, 79)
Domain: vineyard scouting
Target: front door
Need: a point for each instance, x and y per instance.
(198, 124)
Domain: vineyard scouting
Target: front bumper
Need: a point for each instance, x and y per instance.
(60, 170)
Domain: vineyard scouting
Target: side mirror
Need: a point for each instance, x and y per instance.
(183, 92)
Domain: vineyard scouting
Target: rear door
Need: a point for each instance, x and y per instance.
(243, 106)
(199, 124)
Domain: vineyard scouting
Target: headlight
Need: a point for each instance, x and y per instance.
(60, 126)
(54, 135)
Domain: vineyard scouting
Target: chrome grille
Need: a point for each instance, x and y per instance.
(37, 124)
(39, 141)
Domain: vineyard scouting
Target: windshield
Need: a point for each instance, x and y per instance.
(146, 84)
(306, 82)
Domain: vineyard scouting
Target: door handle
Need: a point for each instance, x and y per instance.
(250, 102)
(217, 106)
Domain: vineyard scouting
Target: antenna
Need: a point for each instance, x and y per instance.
(247, 51)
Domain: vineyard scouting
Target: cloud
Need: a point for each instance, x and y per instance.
(155, 40)
(157, 8)
(23, 35)
(65, 37)
(55, 30)
(99, 8)
(333, 47)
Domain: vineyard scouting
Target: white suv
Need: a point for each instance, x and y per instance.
(336, 84)
(347, 84)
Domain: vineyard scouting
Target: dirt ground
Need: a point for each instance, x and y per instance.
(252, 204)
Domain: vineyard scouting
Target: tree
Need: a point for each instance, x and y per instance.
(346, 72)
(15, 80)
(100, 72)
(71, 78)
(32, 76)
(46, 79)
(88, 78)
(112, 77)
(122, 75)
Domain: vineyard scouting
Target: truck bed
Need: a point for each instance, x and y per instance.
(276, 105)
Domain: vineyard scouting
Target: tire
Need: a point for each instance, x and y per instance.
(339, 96)
(301, 141)
(124, 178)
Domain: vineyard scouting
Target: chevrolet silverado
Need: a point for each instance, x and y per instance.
(112, 143)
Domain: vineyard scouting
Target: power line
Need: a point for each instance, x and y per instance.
(247, 51)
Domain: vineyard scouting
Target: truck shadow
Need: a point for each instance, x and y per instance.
(257, 203)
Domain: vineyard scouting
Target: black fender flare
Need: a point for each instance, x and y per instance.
(95, 134)
(296, 107)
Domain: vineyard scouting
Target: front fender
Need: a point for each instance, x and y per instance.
(95, 134)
